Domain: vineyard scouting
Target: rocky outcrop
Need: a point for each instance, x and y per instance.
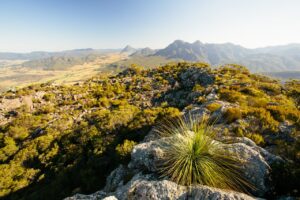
(268, 157)
(146, 156)
(11, 104)
(256, 161)
(116, 178)
(194, 76)
(147, 186)
(96, 196)
(139, 180)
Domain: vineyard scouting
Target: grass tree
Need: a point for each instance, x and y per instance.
(192, 156)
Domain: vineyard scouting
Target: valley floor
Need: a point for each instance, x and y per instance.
(18, 76)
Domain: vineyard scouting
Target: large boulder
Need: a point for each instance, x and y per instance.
(148, 187)
(146, 156)
(116, 178)
(95, 196)
(268, 157)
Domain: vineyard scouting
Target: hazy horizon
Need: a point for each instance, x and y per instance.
(120, 48)
(63, 25)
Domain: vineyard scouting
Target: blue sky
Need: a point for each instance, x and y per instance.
(31, 25)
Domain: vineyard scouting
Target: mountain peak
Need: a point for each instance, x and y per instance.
(178, 42)
(128, 49)
(198, 42)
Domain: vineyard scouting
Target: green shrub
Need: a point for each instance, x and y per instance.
(293, 90)
(49, 97)
(170, 112)
(257, 102)
(257, 138)
(231, 95)
(213, 107)
(270, 88)
(281, 113)
(198, 88)
(264, 118)
(18, 132)
(124, 150)
(147, 87)
(104, 102)
(232, 114)
(46, 109)
(192, 157)
(8, 149)
(252, 91)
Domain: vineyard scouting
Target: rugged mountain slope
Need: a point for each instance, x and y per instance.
(144, 52)
(283, 50)
(56, 141)
(285, 75)
(60, 62)
(278, 58)
(212, 53)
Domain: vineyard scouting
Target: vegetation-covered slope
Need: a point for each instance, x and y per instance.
(59, 140)
(145, 61)
(60, 63)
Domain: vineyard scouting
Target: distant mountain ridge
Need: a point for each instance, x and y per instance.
(276, 58)
(267, 59)
(45, 54)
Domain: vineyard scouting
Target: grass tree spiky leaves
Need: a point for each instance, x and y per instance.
(192, 156)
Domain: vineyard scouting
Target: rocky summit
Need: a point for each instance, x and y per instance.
(99, 139)
(140, 179)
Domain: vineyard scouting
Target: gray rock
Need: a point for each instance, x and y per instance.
(110, 198)
(145, 187)
(196, 111)
(212, 96)
(254, 166)
(116, 179)
(148, 187)
(269, 158)
(145, 156)
(95, 196)
(288, 198)
(152, 135)
(194, 75)
(256, 161)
